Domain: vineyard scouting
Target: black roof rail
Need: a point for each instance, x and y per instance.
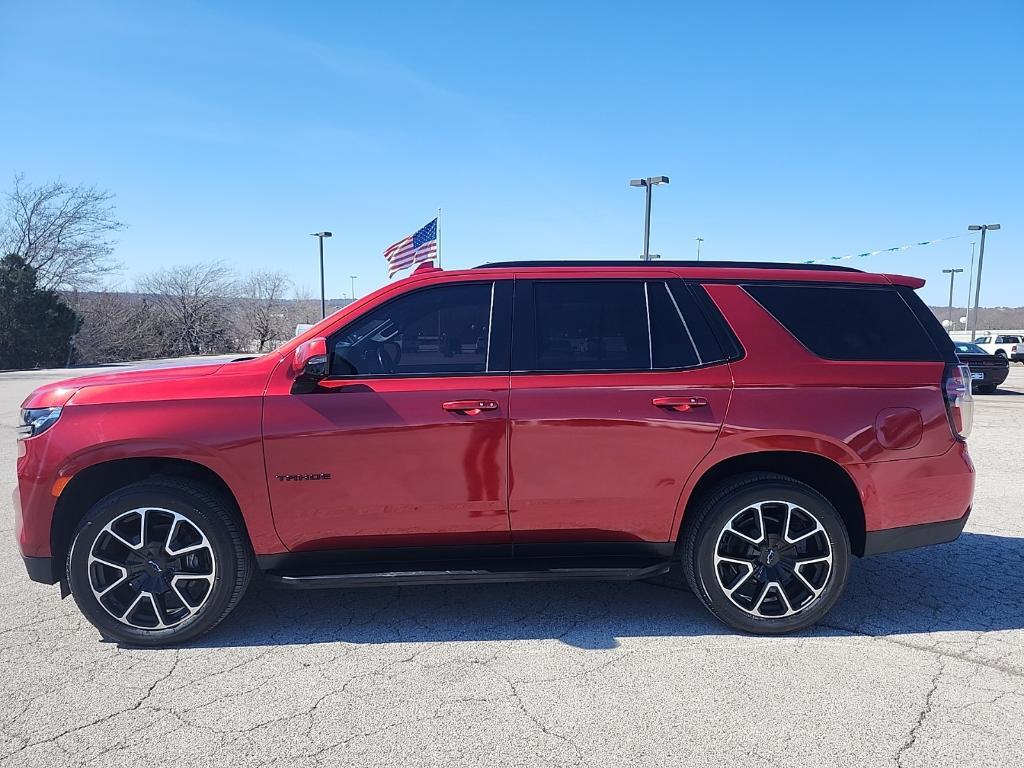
(668, 263)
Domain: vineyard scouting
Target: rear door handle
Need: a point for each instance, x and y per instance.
(680, 403)
(470, 407)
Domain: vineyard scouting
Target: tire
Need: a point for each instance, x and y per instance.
(718, 537)
(179, 581)
(985, 389)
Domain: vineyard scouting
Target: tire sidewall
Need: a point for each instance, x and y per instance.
(109, 508)
(707, 540)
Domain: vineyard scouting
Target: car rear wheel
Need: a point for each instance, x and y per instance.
(158, 562)
(766, 554)
(985, 389)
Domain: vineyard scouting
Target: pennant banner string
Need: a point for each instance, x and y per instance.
(906, 247)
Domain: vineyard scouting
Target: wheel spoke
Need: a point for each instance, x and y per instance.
(156, 611)
(131, 607)
(743, 579)
(761, 598)
(812, 560)
(815, 591)
(178, 522)
(760, 523)
(785, 598)
(786, 528)
(108, 563)
(122, 539)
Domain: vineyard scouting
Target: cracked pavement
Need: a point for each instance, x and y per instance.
(921, 663)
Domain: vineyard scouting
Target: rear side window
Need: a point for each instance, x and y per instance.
(848, 323)
(600, 325)
(672, 345)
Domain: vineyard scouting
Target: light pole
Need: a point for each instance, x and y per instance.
(699, 241)
(323, 296)
(983, 228)
(647, 184)
(970, 280)
(353, 279)
(952, 274)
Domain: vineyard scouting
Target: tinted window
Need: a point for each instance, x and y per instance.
(593, 326)
(966, 348)
(846, 323)
(982, 340)
(671, 343)
(440, 330)
(714, 338)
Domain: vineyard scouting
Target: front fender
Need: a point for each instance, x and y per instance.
(223, 435)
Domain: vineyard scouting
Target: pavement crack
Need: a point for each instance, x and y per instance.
(926, 709)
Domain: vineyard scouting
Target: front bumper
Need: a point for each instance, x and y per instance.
(913, 536)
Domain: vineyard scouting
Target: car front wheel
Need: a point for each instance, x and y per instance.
(158, 562)
(766, 554)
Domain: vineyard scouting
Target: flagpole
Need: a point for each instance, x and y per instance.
(438, 238)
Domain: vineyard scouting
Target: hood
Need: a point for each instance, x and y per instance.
(58, 393)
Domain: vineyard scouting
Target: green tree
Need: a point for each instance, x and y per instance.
(35, 325)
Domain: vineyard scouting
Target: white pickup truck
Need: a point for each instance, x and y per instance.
(1008, 345)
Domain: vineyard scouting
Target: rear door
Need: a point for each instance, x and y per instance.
(612, 406)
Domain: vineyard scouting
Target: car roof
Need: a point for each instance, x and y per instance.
(731, 271)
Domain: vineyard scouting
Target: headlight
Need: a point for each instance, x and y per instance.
(35, 421)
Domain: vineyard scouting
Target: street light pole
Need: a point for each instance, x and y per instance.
(952, 274)
(353, 278)
(984, 228)
(970, 281)
(323, 296)
(699, 241)
(650, 181)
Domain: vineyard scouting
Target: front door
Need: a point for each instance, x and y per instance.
(405, 444)
(612, 407)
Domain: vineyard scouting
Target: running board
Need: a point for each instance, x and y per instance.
(468, 576)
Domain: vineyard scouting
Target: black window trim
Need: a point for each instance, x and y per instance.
(529, 298)
(493, 282)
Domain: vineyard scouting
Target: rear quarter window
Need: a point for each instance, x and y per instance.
(849, 322)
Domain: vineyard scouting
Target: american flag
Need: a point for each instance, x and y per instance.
(418, 247)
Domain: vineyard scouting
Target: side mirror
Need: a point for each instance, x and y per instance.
(309, 365)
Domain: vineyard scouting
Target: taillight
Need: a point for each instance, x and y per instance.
(956, 387)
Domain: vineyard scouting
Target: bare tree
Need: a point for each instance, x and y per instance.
(263, 316)
(192, 305)
(64, 232)
(116, 326)
(304, 307)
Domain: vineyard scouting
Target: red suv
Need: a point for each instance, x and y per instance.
(528, 421)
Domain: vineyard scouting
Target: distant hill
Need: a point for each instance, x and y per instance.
(989, 318)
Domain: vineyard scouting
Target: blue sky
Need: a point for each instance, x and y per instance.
(790, 131)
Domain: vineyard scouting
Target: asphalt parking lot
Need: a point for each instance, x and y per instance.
(921, 664)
